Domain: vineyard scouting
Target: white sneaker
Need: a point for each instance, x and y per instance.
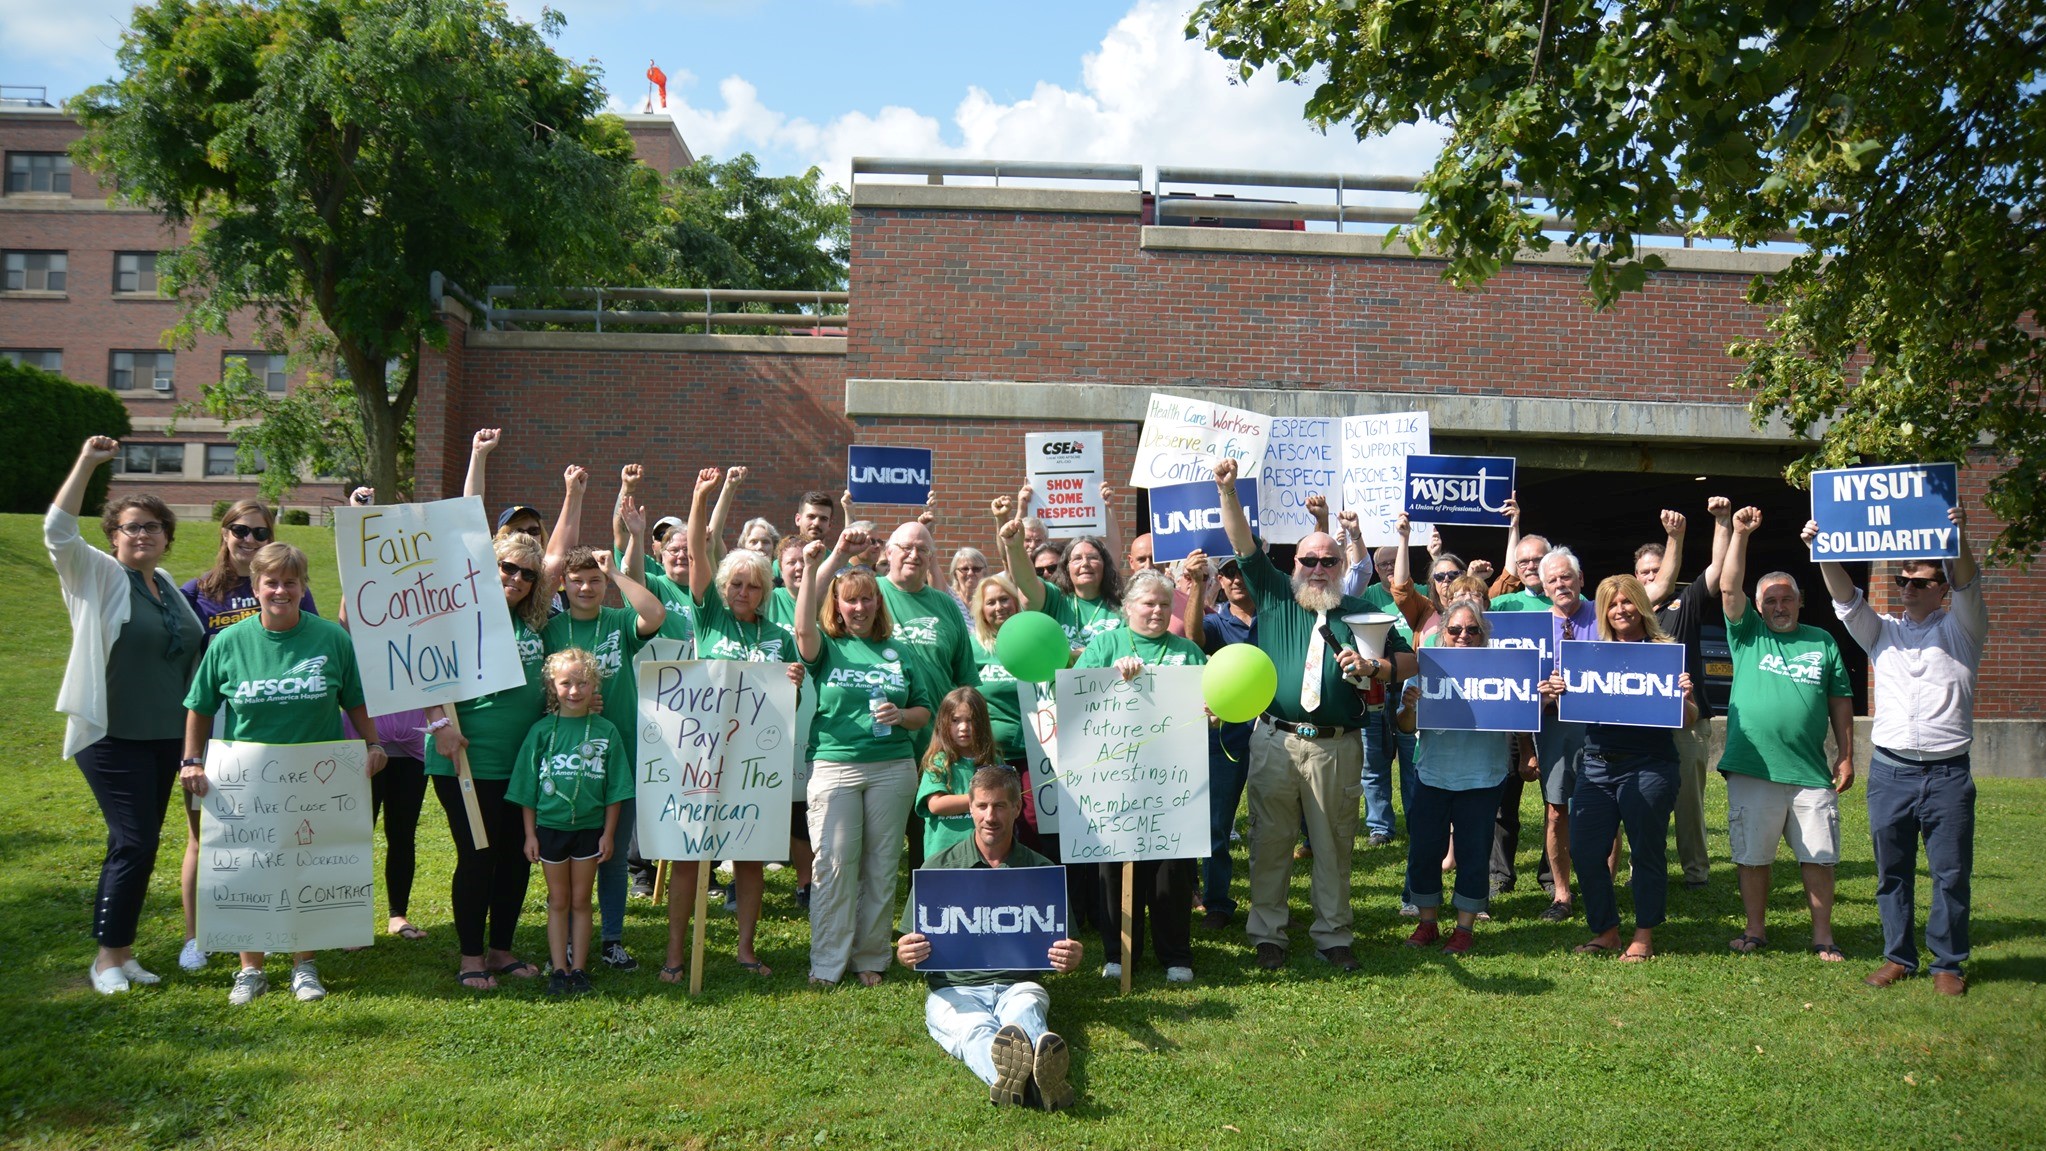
(1111, 971)
(193, 957)
(1179, 975)
(305, 983)
(136, 974)
(249, 984)
(109, 980)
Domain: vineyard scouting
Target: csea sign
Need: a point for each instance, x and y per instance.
(717, 760)
(1067, 470)
(425, 613)
(284, 847)
(1480, 689)
(1629, 684)
(988, 918)
(1533, 630)
(1186, 517)
(888, 475)
(1897, 512)
(1468, 490)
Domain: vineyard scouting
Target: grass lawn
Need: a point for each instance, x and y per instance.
(1520, 1045)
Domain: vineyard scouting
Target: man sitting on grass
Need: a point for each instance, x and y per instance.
(994, 1021)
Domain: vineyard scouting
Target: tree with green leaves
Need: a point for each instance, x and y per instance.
(1902, 145)
(329, 155)
(727, 226)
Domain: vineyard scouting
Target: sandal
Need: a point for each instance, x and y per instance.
(823, 984)
(1747, 944)
(673, 974)
(408, 931)
(1632, 956)
(1593, 948)
(519, 969)
(1830, 952)
(478, 980)
(755, 967)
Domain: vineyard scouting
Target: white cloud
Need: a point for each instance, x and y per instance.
(1147, 95)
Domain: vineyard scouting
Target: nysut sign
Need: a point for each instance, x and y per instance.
(1897, 512)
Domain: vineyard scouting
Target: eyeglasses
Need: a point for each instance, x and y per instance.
(1316, 561)
(243, 531)
(140, 528)
(514, 571)
(964, 569)
(1445, 577)
(1920, 583)
(1460, 630)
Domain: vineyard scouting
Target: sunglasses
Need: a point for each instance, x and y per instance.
(513, 570)
(243, 531)
(140, 528)
(1920, 583)
(1445, 577)
(1230, 572)
(1316, 561)
(1048, 570)
(1460, 630)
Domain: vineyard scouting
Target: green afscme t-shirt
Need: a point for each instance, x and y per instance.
(846, 671)
(1167, 650)
(1777, 713)
(1083, 619)
(613, 637)
(569, 769)
(930, 621)
(721, 635)
(278, 686)
(496, 724)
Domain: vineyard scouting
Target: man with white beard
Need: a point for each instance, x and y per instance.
(1306, 759)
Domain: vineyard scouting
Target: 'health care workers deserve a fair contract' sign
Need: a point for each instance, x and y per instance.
(1479, 689)
(989, 918)
(1183, 439)
(284, 855)
(1632, 684)
(1133, 765)
(1374, 461)
(888, 475)
(1301, 460)
(717, 760)
(1066, 469)
(425, 612)
(1897, 512)
(1186, 517)
(1467, 490)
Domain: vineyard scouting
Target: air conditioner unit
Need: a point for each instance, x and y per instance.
(161, 383)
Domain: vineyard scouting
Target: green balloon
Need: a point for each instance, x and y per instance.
(1239, 682)
(1032, 646)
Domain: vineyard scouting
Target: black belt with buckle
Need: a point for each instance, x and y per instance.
(1307, 730)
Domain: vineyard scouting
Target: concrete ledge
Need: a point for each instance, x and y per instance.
(1503, 417)
(1281, 243)
(2003, 748)
(655, 342)
(943, 198)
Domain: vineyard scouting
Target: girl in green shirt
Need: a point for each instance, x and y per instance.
(961, 744)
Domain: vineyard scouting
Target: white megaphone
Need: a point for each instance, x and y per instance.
(1370, 627)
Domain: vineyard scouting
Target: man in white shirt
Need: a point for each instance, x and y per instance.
(1924, 662)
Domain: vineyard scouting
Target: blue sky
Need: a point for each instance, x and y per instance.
(820, 82)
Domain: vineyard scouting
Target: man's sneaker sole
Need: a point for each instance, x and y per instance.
(1014, 1064)
(1054, 1092)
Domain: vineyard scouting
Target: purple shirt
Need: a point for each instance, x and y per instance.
(239, 605)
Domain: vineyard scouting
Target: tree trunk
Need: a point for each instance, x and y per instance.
(383, 417)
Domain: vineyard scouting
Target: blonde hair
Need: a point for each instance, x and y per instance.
(221, 578)
(280, 557)
(981, 630)
(852, 579)
(523, 550)
(573, 659)
(1612, 588)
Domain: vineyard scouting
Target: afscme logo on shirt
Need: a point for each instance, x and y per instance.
(883, 675)
(305, 680)
(1804, 668)
(923, 632)
(1015, 919)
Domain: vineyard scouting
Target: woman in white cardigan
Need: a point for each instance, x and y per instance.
(134, 643)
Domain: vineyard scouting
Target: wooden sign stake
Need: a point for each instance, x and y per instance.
(467, 782)
(1129, 911)
(703, 870)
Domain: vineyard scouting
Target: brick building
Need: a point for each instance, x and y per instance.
(80, 298)
(979, 313)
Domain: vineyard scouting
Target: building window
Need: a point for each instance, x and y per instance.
(220, 461)
(151, 460)
(268, 368)
(47, 359)
(37, 271)
(38, 172)
(135, 273)
(150, 371)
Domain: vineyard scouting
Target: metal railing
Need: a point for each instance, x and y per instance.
(663, 308)
(935, 171)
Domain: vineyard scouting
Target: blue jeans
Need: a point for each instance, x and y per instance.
(1432, 817)
(1907, 800)
(1640, 792)
(1226, 778)
(614, 876)
(964, 1019)
(1381, 740)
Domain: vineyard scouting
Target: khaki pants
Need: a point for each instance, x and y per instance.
(1693, 760)
(856, 816)
(1295, 781)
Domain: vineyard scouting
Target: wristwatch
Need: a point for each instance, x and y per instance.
(192, 761)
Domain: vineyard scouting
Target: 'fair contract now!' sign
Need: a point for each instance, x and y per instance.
(1897, 512)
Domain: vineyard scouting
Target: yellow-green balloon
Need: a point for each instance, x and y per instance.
(1032, 646)
(1239, 682)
